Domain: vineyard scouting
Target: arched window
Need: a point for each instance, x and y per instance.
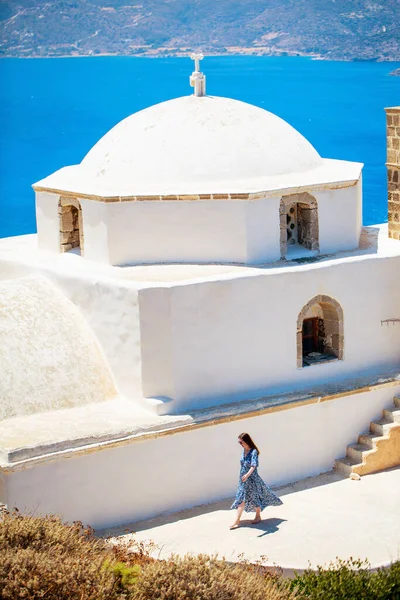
(319, 331)
(298, 214)
(71, 230)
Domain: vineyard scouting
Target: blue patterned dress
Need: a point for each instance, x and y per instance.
(254, 492)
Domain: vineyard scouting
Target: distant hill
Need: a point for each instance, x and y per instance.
(330, 29)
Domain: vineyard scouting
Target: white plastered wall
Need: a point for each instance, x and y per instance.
(112, 312)
(48, 221)
(95, 229)
(177, 231)
(340, 218)
(94, 223)
(156, 354)
(263, 230)
(145, 478)
(236, 338)
(221, 231)
(206, 231)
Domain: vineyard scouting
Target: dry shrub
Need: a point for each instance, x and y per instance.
(40, 557)
(133, 552)
(41, 533)
(205, 578)
(26, 573)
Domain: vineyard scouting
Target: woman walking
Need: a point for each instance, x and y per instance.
(252, 493)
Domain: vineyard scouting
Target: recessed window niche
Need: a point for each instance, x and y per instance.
(299, 232)
(320, 332)
(71, 230)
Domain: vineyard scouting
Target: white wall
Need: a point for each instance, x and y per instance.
(112, 312)
(263, 230)
(225, 231)
(156, 354)
(3, 488)
(95, 228)
(339, 215)
(48, 221)
(236, 338)
(149, 477)
(198, 232)
(221, 230)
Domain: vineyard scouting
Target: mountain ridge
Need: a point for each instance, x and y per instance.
(327, 29)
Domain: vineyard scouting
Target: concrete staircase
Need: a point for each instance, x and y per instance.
(376, 450)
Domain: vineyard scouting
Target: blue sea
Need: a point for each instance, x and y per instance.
(52, 111)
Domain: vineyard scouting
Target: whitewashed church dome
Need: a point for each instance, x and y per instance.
(198, 143)
(49, 357)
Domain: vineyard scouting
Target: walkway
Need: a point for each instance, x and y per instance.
(321, 518)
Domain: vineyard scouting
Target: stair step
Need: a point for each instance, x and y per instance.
(369, 439)
(357, 454)
(392, 415)
(344, 465)
(382, 426)
(355, 451)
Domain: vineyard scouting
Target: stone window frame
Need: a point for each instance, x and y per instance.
(333, 323)
(307, 200)
(63, 203)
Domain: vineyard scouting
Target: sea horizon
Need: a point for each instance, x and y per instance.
(207, 55)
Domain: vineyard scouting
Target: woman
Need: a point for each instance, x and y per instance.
(252, 493)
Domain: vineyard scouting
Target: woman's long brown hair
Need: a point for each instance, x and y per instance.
(246, 438)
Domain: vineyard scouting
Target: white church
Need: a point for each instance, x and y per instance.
(202, 272)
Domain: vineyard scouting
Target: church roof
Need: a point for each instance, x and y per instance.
(200, 139)
(199, 145)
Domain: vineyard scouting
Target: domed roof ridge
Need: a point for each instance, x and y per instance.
(205, 139)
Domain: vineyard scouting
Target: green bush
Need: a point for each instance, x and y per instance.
(348, 580)
(205, 578)
(387, 582)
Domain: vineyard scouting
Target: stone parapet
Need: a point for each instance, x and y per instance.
(393, 170)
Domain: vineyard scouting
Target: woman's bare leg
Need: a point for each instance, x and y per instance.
(258, 515)
(239, 513)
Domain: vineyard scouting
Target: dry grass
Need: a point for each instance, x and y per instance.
(206, 578)
(41, 557)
